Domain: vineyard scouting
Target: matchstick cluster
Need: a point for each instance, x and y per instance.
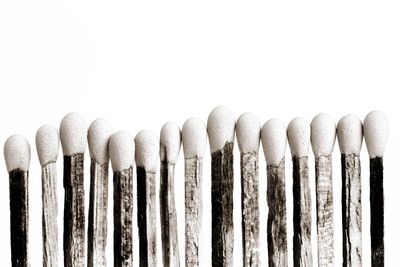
(135, 160)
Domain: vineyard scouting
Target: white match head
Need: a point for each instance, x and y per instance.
(350, 135)
(273, 136)
(17, 153)
(220, 127)
(376, 130)
(170, 142)
(47, 144)
(73, 131)
(99, 134)
(194, 138)
(122, 151)
(323, 134)
(248, 133)
(298, 134)
(147, 150)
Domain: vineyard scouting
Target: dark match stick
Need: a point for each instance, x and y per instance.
(376, 132)
(221, 133)
(273, 136)
(73, 134)
(17, 154)
(299, 141)
(47, 146)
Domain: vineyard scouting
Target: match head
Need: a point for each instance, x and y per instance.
(99, 134)
(273, 137)
(298, 134)
(17, 153)
(47, 144)
(220, 127)
(147, 150)
(248, 133)
(323, 134)
(350, 135)
(376, 130)
(194, 138)
(73, 131)
(170, 142)
(122, 151)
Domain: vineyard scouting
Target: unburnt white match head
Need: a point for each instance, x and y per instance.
(17, 153)
(47, 144)
(323, 134)
(376, 129)
(298, 134)
(122, 151)
(350, 135)
(170, 142)
(220, 127)
(273, 137)
(73, 131)
(99, 134)
(194, 138)
(147, 150)
(248, 133)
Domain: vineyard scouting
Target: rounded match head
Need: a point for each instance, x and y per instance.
(17, 153)
(73, 131)
(99, 134)
(122, 151)
(376, 130)
(220, 127)
(170, 142)
(147, 150)
(273, 137)
(350, 135)
(298, 134)
(323, 134)
(47, 144)
(194, 138)
(248, 133)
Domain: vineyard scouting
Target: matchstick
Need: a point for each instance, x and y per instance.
(248, 138)
(98, 136)
(47, 146)
(221, 132)
(376, 132)
(194, 138)
(17, 154)
(146, 157)
(122, 153)
(170, 144)
(299, 141)
(73, 134)
(273, 136)
(350, 134)
(323, 136)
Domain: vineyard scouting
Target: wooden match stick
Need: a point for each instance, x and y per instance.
(299, 141)
(73, 134)
(146, 157)
(17, 154)
(122, 153)
(323, 136)
(170, 144)
(350, 134)
(248, 137)
(221, 133)
(376, 132)
(47, 146)
(98, 136)
(273, 136)
(194, 137)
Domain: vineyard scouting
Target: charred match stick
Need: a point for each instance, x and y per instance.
(194, 137)
(73, 134)
(273, 136)
(349, 132)
(248, 137)
(17, 154)
(146, 156)
(122, 153)
(98, 136)
(47, 145)
(299, 141)
(323, 136)
(376, 131)
(221, 133)
(170, 144)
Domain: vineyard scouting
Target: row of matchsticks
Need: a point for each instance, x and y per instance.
(146, 150)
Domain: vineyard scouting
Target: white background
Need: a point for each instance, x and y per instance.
(144, 63)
